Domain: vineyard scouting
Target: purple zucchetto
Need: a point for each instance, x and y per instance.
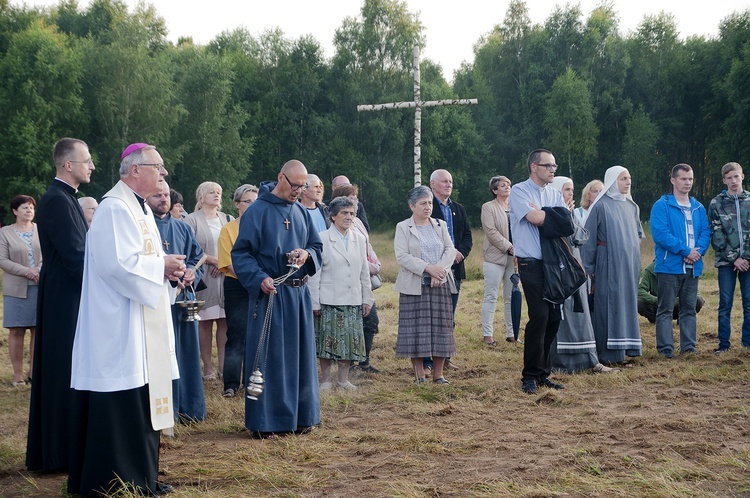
(132, 148)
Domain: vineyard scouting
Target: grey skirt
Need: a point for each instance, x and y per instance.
(19, 312)
(425, 324)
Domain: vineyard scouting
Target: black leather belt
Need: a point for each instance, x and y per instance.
(529, 261)
(296, 282)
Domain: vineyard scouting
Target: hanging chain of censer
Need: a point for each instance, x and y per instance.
(255, 386)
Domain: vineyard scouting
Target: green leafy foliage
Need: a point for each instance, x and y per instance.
(233, 111)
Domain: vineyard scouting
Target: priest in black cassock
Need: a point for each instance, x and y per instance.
(274, 225)
(123, 359)
(178, 238)
(62, 236)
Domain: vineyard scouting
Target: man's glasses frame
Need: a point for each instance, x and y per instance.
(294, 186)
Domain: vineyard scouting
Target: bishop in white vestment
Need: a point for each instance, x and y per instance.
(123, 352)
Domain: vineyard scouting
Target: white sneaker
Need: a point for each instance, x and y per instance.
(326, 386)
(348, 386)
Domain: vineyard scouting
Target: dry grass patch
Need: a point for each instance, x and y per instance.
(665, 428)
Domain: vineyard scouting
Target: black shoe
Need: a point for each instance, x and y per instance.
(690, 351)
(162, 489)
(529, 386)
(720, 350)
(546, 382)
(367, 368)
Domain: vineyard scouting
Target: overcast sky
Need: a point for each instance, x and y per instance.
(452, 28)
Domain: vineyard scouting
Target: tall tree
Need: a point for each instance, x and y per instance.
(40, 102)
(569, 122)
(129, 88)
(374, 63)
(639, 156)
(207, 143)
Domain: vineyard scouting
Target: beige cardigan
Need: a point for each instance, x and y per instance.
(495, 227)
(214, 293)
(406, 244)
(14, 261)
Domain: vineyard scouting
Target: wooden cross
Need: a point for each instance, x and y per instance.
(166, 245)
(287, 223)
(417, 104)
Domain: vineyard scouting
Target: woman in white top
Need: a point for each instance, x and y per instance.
(590, 192)
(206, 221)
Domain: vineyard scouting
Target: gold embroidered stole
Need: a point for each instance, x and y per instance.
(158, 361)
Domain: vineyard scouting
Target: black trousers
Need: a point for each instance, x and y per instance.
(236, 307)
(370, 325)
(544, 320)
(117, 446)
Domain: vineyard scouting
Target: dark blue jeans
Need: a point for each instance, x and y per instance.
(236, 307)
(728, 277)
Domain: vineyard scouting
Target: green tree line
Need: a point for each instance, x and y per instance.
(234, 110)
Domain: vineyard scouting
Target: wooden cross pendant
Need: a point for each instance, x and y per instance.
(166, 245)
(287, 223)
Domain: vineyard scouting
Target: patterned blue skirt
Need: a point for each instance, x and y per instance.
(339, 334)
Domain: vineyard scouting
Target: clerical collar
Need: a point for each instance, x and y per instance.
(66, 183)
(140, 200)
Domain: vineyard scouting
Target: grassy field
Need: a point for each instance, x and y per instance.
(666, 428)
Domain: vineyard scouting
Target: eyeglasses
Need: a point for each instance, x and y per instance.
(87, 161)
(295, 187)
(158, 166)
(549, 166)
(248, 201)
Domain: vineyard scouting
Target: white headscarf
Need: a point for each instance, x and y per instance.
(611, 189)
(559, 182)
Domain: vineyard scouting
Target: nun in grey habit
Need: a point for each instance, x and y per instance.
(612, 256)
(574, 348)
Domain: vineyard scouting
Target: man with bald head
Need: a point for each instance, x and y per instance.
(178, 238)
(89, 205)
(454, 214)
(273, 227)
(62, 237)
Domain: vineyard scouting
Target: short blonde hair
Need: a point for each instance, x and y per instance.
(496, 180)
(585, 202)
(201, 192)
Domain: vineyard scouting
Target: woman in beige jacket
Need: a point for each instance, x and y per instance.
(20, 260)
(498, 258)
(425, 254)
